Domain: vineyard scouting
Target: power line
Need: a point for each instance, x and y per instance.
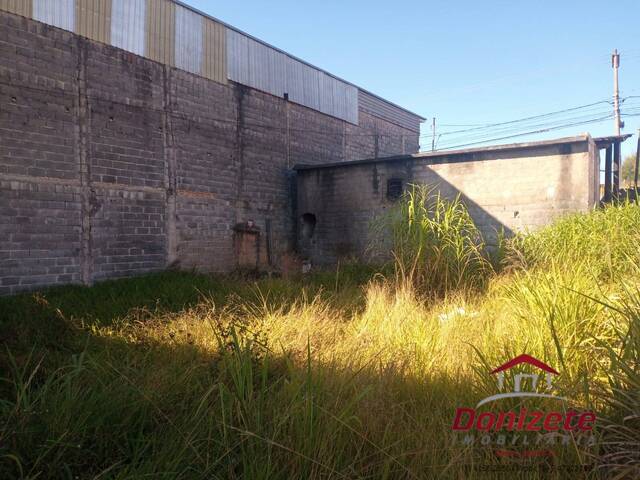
(559, 127)
(539, 122)
(491, 125)
(494, 134)
(541, 125)
(516, 129)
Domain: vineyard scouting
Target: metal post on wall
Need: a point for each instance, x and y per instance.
(635, 178)
(607, 174)
(616, 169)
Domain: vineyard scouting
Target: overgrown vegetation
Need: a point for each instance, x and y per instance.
(436, 244)
(348, 374)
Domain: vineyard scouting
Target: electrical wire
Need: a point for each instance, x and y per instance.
(530, 133)
(536, 126)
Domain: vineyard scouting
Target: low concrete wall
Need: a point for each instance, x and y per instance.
(514, 187)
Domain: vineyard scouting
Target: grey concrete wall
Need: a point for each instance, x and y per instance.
(514, 189)
(113, 165)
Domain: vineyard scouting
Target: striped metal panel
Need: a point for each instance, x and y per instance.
(380, 108)
(259, 66)
(237, 57)
(253, 64)
(303, 84)
(266, 68)
(214, 61)
(188, 40)
(93, 19)
(161, 31)
(19, 7)
(59, 13)
(326, 93)
(338, 98)
(127, 25)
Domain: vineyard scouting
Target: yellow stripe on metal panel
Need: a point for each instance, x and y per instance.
(19, 7)
(161, 28)
(214, 65)
(93, 19)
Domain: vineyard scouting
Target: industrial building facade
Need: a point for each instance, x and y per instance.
(140, 134)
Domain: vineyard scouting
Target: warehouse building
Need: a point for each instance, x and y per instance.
(141, 134)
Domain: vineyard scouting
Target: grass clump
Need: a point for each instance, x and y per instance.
(436, 244)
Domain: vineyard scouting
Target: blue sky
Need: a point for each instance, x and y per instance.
(468, 62)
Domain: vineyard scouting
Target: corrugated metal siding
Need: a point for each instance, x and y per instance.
(93, 19)
(19, 7)
(214, 59)
(59, 13)
(259, 66)
(237, 57)
(128, 25)
(161, 31)
(174, 35)
(303, 84)
(378, 107)
(188, 44)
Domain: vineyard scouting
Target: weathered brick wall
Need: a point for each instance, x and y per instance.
(512, 188)
(113, 165)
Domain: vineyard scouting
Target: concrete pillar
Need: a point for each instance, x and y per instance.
(170, 165)
(82, 120)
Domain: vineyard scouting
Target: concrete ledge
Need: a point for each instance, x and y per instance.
(453, 153)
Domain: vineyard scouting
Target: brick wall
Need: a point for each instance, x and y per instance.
(113, 165)
(514, 188)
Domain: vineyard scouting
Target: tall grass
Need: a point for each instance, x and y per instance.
(620, 454)
(333, 376)
(436, 244)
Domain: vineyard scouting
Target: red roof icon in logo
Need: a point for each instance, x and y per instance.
(524, 358)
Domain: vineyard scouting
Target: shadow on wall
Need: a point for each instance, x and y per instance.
(338, 224)
(489, 224)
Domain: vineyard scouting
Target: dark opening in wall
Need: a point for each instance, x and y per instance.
(394, 188)
(308, 225)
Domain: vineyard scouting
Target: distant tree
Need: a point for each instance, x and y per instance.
(628, 169)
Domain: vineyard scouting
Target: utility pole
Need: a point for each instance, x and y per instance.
(433, 131)
(615, 63)
(635, 177)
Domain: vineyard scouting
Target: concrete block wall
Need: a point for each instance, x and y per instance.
(512, 188)
(114, 165)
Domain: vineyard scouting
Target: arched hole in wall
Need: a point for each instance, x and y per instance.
(395, 188)
(308, 225)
